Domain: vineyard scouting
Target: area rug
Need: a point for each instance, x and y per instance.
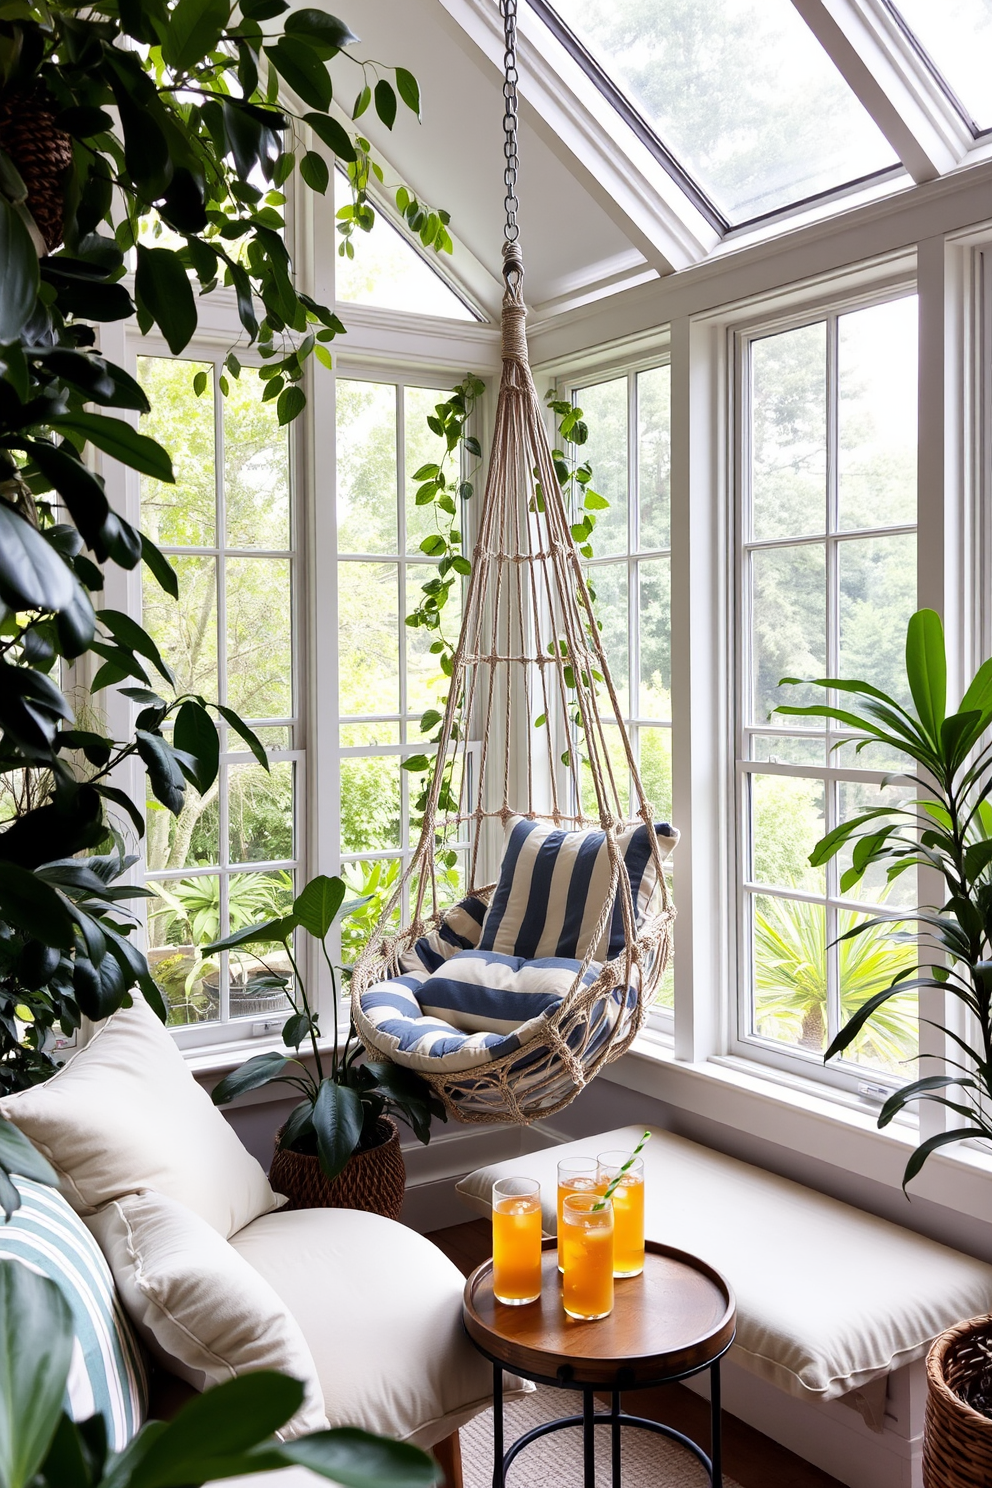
(555, 1461)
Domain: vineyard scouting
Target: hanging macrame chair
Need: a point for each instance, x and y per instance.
(531, 713)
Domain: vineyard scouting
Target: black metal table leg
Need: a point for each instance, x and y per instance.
(615, 1438)
(498, 1478)
(716, 1429)
(588, 1439)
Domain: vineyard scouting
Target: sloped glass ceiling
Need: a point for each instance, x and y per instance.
(740, 92)
(957, 37)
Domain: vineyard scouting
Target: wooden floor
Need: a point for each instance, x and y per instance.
(753, 1459)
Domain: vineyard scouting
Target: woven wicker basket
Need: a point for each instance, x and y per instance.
(42, 154)
(957, 1444)
(374, 1180)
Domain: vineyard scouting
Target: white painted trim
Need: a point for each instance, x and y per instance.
(817, 1124)
(595, 144)
(396, 339)
(887, 74)
(746, 271)
(831, 1434)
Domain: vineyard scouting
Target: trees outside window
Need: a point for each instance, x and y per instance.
(827, 584)
(389, 676)
(629, 450)
(228, 524)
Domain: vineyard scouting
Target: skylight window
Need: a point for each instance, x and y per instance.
(957, 38)
(740, 92)
(389, 273)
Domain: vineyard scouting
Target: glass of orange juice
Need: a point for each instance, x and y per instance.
(575, 1175)
(516, 1240)
(628, 1211)
(586, 1238)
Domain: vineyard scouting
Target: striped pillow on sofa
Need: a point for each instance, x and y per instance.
(107, 1374)
(553, 886)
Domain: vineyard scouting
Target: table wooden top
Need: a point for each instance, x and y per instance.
(677, 1316)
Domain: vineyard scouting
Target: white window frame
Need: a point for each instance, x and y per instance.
(741, 1041)
(399, 377)
(215, 337)
(569, 385)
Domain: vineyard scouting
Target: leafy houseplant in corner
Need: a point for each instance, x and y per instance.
(339, 1148)
(947, 828)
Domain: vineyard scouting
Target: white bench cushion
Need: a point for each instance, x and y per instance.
(828, 1297)
(381, 1310)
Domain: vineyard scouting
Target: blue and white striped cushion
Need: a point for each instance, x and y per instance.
(482, 1008)
(459, 930)
(553, 886)
(107, 1375)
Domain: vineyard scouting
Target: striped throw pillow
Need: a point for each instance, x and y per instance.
(107, 1375)
(459, 930)
(553, 887)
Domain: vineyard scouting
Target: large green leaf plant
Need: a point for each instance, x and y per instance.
(343, 1095)
(180, 147)
(946, 829)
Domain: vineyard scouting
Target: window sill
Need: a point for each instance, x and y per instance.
(787, 1111)
(211, 1063)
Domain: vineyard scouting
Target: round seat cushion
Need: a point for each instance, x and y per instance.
(480, 1006)
(381, 1310)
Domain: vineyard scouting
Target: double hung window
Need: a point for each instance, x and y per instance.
(389, 675)
(629, 449)
(232, 856)
(826, 585)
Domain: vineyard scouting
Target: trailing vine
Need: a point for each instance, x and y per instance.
(441, 483)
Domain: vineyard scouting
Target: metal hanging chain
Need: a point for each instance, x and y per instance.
(508, 10)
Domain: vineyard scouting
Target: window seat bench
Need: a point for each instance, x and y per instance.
(836, 1308)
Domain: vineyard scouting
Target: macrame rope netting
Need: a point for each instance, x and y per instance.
(523, 718)
(523, 701)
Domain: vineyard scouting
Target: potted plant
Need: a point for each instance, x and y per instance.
(948, 829)
(153, 129)
(339, 1147)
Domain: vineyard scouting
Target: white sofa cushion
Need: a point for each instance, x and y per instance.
(828, 1297)
(381, 1309)
(198, 1304)
(124, 1114)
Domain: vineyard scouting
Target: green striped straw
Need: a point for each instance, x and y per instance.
(628, 1164)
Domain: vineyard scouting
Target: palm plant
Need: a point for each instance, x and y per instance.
(945, 830)
(790, 944)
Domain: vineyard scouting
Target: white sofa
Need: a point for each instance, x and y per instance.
(836, 1308)
(219, 1279)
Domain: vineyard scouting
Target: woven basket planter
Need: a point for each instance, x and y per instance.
(374, 1180)
(42, 153)
(957, 1444)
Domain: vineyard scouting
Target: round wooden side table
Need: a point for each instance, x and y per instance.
(673, 1321)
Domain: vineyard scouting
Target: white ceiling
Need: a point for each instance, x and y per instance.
(454, 159)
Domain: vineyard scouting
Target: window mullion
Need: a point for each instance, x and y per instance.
(832, 566)
(401, 580)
